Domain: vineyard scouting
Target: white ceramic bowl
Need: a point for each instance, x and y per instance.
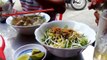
(65, 52)
(27, 49)
(27, 29)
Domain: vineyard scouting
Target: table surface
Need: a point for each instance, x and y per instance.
(14, 41)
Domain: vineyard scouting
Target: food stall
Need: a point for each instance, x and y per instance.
(16, 37)
(14, 41)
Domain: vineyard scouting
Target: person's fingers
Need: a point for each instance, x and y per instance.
(92, 4)
(96, 14)
(89, 7)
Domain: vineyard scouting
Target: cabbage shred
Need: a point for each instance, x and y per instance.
(64, 38)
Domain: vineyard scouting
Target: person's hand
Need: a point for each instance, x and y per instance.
(97, 15)
(95, 3)
(58, 5)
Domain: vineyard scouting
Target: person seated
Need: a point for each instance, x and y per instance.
(30, 5)
(57, 5)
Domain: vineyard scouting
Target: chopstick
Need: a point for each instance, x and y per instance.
(29, 12)
(60, 16)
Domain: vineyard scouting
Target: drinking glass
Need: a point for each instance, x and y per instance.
(100, 52)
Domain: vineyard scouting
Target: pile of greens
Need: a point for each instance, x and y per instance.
(64, 38)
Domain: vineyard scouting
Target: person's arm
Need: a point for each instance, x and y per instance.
(96, 4)
(58, 5)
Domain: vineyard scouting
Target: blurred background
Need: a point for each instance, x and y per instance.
(83, 15)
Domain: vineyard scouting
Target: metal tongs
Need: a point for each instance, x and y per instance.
(2, 47)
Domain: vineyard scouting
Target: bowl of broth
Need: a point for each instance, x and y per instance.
(27, 23)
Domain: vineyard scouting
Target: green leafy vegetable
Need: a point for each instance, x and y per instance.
(64, 38)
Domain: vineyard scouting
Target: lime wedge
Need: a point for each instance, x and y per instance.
(37, 56)
(35, 51)
(23, 57)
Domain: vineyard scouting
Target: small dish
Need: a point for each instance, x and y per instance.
(27, 49)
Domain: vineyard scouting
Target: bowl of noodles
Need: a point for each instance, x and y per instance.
(27, 23)
(65, 38)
